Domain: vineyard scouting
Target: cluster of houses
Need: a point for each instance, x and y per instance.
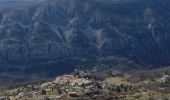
(80, 85)
(71, 80)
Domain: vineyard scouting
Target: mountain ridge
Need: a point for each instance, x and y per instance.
(43, 33)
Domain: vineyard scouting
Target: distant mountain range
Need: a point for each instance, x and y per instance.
(51, 37)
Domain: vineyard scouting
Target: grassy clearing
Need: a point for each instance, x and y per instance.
(116, 81)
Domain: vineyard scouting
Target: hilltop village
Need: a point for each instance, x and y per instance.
(83, 85)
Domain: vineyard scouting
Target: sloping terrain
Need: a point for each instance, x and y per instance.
(51, 37)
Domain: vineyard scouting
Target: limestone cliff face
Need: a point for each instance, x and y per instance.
(34, 32)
